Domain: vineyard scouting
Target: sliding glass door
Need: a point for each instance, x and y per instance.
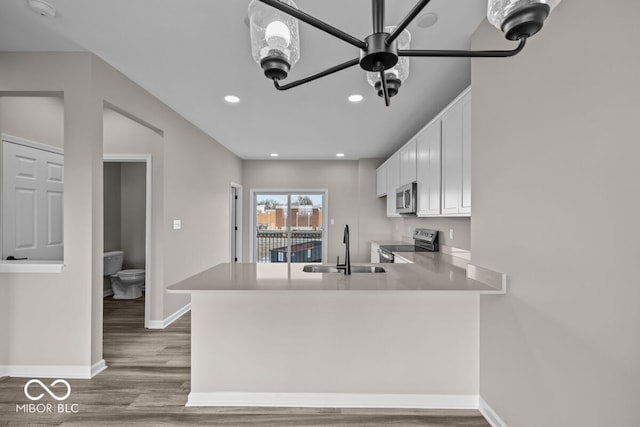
(289, 226)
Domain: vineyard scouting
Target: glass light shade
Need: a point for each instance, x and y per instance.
(498, 10)
(273, 33)
(400, 71)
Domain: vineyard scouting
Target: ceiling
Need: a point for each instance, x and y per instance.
(191, 53)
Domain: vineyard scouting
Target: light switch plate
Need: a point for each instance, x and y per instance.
(177, 224)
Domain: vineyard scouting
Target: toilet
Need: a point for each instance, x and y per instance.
(126, 284)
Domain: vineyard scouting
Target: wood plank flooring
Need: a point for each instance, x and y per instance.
(147, 383)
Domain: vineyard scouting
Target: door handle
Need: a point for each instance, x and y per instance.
(12, 258)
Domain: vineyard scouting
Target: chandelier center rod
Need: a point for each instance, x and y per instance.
(377, 54)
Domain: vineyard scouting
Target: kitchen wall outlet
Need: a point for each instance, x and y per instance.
(177, 224)
(451, 233)
(332, 221)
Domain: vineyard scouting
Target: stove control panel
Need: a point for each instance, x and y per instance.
(426, 239)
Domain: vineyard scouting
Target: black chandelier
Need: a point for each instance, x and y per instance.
(383, 54)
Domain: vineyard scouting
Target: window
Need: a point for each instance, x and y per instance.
(289, 226)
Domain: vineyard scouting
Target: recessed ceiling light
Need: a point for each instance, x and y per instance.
(356, 97)
(232, 99)
(274, 154)
(340, 155)
(42, 8)
(427, 20)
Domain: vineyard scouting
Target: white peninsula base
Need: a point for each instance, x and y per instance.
(335, 349)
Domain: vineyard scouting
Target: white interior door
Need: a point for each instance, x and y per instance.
(32, 200)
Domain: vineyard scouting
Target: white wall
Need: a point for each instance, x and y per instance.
(352, 198)
(556, 185)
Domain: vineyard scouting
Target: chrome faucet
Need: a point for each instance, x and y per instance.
(347, 264)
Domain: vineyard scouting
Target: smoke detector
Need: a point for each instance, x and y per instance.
(42, 8)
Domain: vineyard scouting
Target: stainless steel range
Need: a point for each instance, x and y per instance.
(425, 240)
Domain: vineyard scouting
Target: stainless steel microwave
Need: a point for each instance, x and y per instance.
(406, 199)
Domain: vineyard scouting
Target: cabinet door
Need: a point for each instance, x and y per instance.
(381, 181)
(429, 170)
(408, 163)
(465, 199)
(393, 179)
(455, 158)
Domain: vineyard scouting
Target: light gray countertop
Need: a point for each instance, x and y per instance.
(434, 273)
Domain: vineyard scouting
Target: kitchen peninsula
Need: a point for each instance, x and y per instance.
(274, 335)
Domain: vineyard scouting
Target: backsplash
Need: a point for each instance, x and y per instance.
(402, 229)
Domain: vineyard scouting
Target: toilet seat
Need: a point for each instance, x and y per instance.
(130, 274)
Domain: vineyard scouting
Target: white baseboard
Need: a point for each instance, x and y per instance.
(98, 367)
(161, 324)
(334, 400)
(107, 293)
(490, 414)
(53, 371)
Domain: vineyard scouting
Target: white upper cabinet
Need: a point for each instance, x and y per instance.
(429, 170)
(465, 206)
(456, 149)
(438, 158)
(381, 181)
(408, 163)
(393, 182)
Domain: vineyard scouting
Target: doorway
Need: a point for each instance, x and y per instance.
(138, 249)
(235, 223)
(289, 226)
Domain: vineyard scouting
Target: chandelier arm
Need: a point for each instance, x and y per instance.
(385, 90)
(296, 13)
(316, 76)
(465, 53)
(406, 21)
(377, 12)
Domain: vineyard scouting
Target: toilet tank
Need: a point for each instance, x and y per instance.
(113, 262)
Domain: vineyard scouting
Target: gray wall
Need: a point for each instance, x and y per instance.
(112, 206)
(191, 174)
(402, 229)
(352, 198)
(37, 118)
(556, 195)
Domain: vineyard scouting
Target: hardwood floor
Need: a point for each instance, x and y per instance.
(147, 383)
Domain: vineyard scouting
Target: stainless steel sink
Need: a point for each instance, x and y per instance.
(334, 269)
